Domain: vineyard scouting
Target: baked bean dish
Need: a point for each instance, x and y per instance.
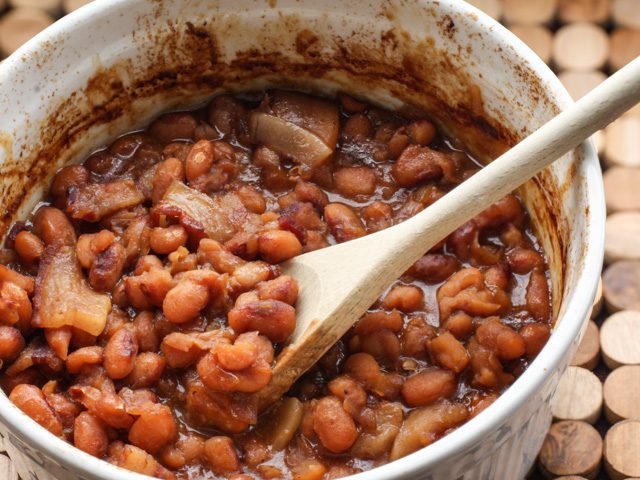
(141, 305)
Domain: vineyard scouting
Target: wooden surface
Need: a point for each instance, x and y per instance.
(538, 37)
(622, 240)
(580, 46)
(571, 448)
(579, 396)
(620, 339)
(620, 147)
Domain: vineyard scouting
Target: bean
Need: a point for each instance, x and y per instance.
(406, 298)
(53, 226)
(252, 199)
(377, 216)
(524, 260)
(225, 113)
(168, 171)
(28, 247)
(537, 296)
(460, 325)
(428, 386)
(422, 132)
(379, 320)
(500, 338)
(185, 301)
(272, 318)
(435, 268)
(333, 425)
(380, 344)
(90, 435)
(15, 306)
(148, 289)
(107, 267)
(199, 159)
(221, 455)
(147, 370)
(535, 337)
(82, 357)
(357, 127)
(173, 126)
(179, 350)
(398, 143)
(417, 164)
(11, 343)
(343, 222)
(449, 352)
(120, 354)
(283, 288)
(153, 429)
(276, 246)
(31, 401)
(350, 104)
(355, 181)
(310, 193)
(144, 326)
(169, 239)
(67, 177)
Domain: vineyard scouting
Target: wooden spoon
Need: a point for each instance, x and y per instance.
(338, 284)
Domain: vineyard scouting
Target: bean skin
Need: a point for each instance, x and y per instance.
(28, 247)
(90, 435)
(185, 301)
(335, 427)
(221, 454)
(11, 343)
(343, 222)
(276, 246)
(120, 354)
(31, 401)
(272, 318)
(166, 240)
(154, 429)
(428, 386)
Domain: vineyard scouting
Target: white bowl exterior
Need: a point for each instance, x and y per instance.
(503, 441)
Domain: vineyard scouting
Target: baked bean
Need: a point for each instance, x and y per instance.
(147, 370)
(11, 343)
(398, 143)
(173, 126)
(252, 199)
(137, 460)
(199, 159)
(90, 435)
(148, 289)
(350, 104)
(537, 296)
(506, 342)
(380, 344)
(276, 246)
(428, 386)
(31, 401)
(168, 171)
(460, 325)
(221, 454)
(310, 193)
(449, 352)
(377, 216)
(523, 260)
(417, 164)
(357, 126)
(249, 275)
(355, 181)
(435, 267)
(167, 240)
(144, 326)
(28, 246)
(153, 429)
(274, 319)
(535, 337)
(487, 369)
(107, 267)
(379, 320)
(422, 132)
(406, 298)
(15, 306)
(364, 368)
(225, 113)
(343, 222)
(82, 357)
(333, 425)
(185, 301)
(53, 226)
(120, 353)
(179, 349)
(67, 177)
(415, 336)
(284, 288)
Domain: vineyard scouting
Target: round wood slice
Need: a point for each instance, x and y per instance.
(537, 37)
(588, 353)
(626, 13)
(526, 12)
(52, 7)
(623, 142)
(622, 394)
(622, 450)
(622, 236)
(580, 46)
(493, 8)
(597, 301)
(620, 339)
(596, 11)
(7, 470)
(20, 25)
(580, 83)
(599, 141)
(621, 286)
(621, 188)
(625, 46)
(578, 397)
(571, 448)
(72, 5)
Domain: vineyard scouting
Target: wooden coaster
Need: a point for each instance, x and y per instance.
(526, 12)
(7, 470)
(72, 5)
(622, 394)
(580, 83)
(578, 397)
(597, 301)
(596, 11)
(493, 8)
(626, 13)
(623, 142)
(621, 188)
(52, 7)
(621, 286)
(20, 25)
(580, 46)
(537, 37)
(571, 448)
(625, 46)
(620, 339)
(622, 236)
(622, 450)
(588, 354)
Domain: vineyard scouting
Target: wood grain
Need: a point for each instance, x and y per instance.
(7, 470)
(580, 47)
(596, 11)
(19, 25)
(626, 13)
(622, 394)
(625, 46)
(623, 143)
(526, 12)
(537, 37)
(621, 188)
(622, 236)
(621, 286)
(571, 448)
(578, 397)
(622, 450)
(588, 354)
(620, 339)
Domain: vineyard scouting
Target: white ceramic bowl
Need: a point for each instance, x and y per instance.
(115, 64)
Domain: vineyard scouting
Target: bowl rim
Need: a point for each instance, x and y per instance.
(564, 332)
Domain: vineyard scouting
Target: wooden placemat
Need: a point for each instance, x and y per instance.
(596, 430)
